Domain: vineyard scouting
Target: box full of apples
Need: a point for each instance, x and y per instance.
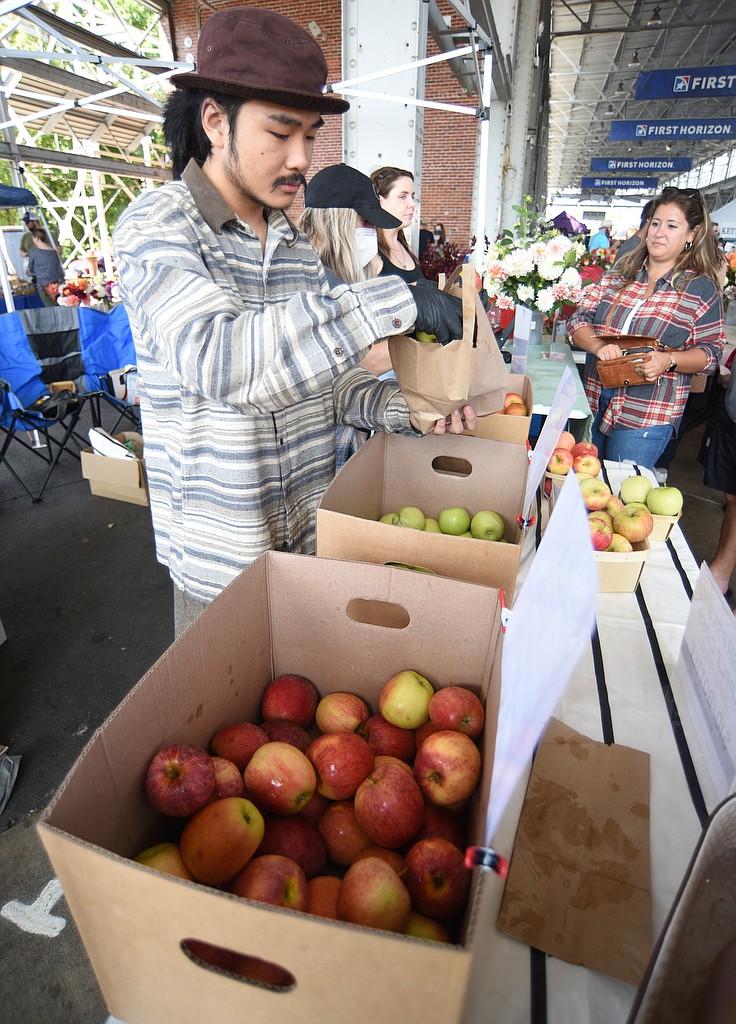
(621, 526)
(276, 816)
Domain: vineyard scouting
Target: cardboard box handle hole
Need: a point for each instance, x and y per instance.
(446, 465)
(250, 969)
(378, 613)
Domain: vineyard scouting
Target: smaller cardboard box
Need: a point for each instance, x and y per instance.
(120, 479)
(663, 526)
(619, 572)
(500, 427)
(433, 473)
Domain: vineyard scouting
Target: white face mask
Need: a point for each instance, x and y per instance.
(366, 241)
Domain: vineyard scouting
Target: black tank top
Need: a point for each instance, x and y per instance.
(410, 276)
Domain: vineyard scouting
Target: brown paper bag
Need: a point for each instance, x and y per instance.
(435, 379)
(579, 886)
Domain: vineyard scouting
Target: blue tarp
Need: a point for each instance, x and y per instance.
(11, 197)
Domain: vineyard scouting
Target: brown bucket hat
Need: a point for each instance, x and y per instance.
(259, 54)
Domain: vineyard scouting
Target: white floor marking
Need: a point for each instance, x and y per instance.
(36, 917)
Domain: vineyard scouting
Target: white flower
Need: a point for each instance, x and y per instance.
(519, 263)
(525, 293)
(571, 278)
(545, 300)
(550, 268)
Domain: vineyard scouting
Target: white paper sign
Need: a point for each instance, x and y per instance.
(522, 332)
(548, 630)
(559, 412)
(707, 670)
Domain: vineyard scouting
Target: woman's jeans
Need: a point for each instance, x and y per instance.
(643, 447)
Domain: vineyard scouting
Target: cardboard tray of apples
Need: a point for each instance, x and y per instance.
(329, 807)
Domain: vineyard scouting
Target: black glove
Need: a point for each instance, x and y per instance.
(438, 313)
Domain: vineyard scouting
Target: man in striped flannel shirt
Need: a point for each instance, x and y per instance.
(246, 359)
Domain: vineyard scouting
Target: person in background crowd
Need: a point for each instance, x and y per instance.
(395, 189)
(602, 238)
(720, 473)
(247, 359)
(440, 235)
(44, 266)
(26, 239)
(639, 235)
(341, 213)
(425, 238)
(668, 289)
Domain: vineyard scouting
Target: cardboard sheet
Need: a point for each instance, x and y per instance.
(579, 883)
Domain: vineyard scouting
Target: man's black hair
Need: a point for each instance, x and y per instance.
(183, 129)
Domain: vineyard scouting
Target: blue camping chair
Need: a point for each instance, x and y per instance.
(27, 406)
(106, 348)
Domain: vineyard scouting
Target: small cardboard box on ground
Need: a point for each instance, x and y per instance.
(501, 427)
(121, 479)
(433, 473)
(330, 621)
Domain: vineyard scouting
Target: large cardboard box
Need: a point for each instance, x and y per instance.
(121, 479)
(514, 429)
(435, 472)
(333, 622)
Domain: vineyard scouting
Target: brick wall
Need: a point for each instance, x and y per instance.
(449, 139)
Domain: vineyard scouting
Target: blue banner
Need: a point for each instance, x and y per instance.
(655, 163)
(637, 183)
(671, 83)
(692, 128)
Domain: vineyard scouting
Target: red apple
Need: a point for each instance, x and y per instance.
(436, 877)
(516, 409)
(228, 779)
(251, 967)
(165, 857)
(341, 760)
(457, 707)
(595, 493)
(238, 742)
(442, 823)
(373, 895)
(385, 738)
(590, 465)
(390, 759)
(293, 837)
(605, 517)
(322, 894)
(633, 523)
(291, 697)
(620, 544)
(423, 731)
(614, 505)
(600, 534)
(219, 840)
(312, 811)
(422, 927)
(341, 712)
(287, 732)
(584, 448)
(280, 778)
(404, 699)
(392, 857)
(389, 806)
(512, 398)
(343, 836)
(566, 440)
(560, 462)
(447, 767)
(180, 779)
(272, 879)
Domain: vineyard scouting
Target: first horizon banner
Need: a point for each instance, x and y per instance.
(686, 83)
(690, 128)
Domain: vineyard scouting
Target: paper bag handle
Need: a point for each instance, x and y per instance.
(468, 292)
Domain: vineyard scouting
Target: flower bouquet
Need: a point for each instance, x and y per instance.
(729, 290)
(87, 291)
(535, 269)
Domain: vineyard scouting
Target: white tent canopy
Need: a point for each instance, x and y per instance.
(726, 220)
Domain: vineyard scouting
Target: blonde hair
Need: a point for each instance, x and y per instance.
(332, 234)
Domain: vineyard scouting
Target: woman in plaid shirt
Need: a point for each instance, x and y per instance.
(666, 288)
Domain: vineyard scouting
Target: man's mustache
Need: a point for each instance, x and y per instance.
(291, 179)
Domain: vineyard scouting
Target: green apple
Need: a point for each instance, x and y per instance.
(635, 504)
(414, 568)
(404, 699)
(620, 544)
(664, 501)
(454, 521)
(388, 518)
(634, 488)
(487, 525)
(431, 526)
(466, 534)
(424, 338)
(411, 517)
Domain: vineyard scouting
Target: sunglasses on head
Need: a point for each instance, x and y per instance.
(691, 193)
